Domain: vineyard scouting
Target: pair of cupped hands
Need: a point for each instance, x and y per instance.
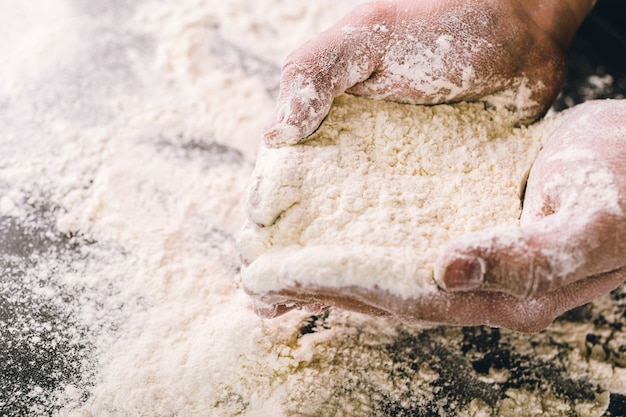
(570, 246)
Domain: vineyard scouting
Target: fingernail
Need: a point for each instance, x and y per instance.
(463, 274)
(270, 311)
(264, 310)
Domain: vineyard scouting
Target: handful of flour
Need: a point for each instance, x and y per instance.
(371, 197)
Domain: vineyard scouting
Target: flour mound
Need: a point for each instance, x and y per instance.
(372, 196)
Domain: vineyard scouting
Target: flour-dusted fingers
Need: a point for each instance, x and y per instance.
(258, 279)
(270, 311)
(531, 260)
(391, 269)
(323, 68)
(450, 51)
(387, 269)
(276, 184)
(276, 277)
(574, 218)
(252, 242)
(505, 53)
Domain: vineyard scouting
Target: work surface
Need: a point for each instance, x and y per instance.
(128, 131)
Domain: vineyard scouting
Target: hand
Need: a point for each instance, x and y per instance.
(568, 249)
(503, 52)
(571, 236)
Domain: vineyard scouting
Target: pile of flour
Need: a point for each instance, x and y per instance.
(371, 197)
(129, 131)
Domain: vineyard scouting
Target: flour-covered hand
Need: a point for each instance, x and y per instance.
(570, 246)
(568, 249)
(503, 52)
(474, 308)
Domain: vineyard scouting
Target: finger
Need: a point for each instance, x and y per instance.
(529, 260)
(282, 276)
(316, 308)
(265, 304)
(276, 184)
(252, 242)
(270, 311)
(389, 269)
(324, 68)
(260, 278)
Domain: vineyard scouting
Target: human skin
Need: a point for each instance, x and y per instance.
(569, 248)
(505, 52)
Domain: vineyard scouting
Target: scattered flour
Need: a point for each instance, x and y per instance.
(128, 135)
(371, 197)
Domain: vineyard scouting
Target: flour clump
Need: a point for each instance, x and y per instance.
(371, 197)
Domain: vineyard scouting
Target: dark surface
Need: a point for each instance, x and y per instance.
(598, 50)
(39, 348)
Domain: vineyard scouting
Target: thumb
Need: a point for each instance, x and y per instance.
(530, 260)
(324, 68)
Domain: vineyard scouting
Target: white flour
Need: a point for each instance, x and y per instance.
(128, 134)
(371, 197)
